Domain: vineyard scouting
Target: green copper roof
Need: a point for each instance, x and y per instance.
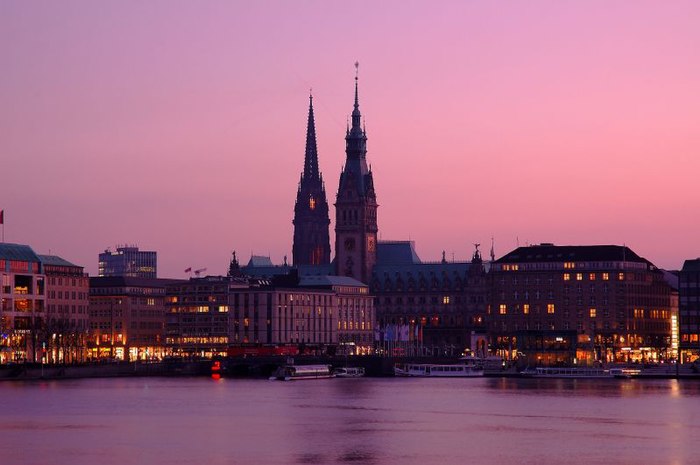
(17, 252)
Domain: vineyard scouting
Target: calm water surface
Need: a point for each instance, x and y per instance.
(350, 421)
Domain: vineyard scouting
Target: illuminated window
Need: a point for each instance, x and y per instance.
(550, 308)
(591, 276)
(502, 309)
(606, 276)
(621, 276)
(223, 308)
(526, 309)
(246, 322)
(568, 265)
(312, 202)
(592, 313)
(567, 276)
(446, 299)
(579, 276)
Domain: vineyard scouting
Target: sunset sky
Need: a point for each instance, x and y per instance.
(180, 126)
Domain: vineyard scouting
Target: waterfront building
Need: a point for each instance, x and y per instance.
(67, 304)
(127, 316)
(128, 261)
(356, 206)
(689, 310)
(617, 302)
(23, 306)
(311, 245)
(208, 315)
(438, 307)
(355, 311)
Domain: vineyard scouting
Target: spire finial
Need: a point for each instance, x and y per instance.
(311, 156)
(357, 72)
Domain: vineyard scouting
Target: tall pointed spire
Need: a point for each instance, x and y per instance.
(311, 156)
(356, 116)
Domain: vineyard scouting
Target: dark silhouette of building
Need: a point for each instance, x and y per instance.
(356, 206)
(312, 244)
(441, 304)
(689, 309)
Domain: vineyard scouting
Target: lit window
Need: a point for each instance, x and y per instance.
(550, 308)
(621, 276)
(312, 203)
(526, 309)
(446, 299)
(592, 312)
(579, 276)
(606, 276)
(591, 276)
(568, 265)
(502, 309)
(567, 276)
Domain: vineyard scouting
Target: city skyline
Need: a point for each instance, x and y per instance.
(182, 129)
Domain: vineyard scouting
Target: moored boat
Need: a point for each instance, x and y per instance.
(431, 370)
(625, 372)
(349, 372)
(297, 372)
(564, 372)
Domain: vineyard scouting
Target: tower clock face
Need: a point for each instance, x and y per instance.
(350, 244)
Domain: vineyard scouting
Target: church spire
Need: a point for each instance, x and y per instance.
(311, 156)
(356, 116)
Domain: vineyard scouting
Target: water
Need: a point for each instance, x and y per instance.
(350, 421)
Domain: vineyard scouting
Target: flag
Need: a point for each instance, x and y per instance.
(188, 270)
(2, 216)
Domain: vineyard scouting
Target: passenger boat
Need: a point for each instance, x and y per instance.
(625, 372)
(438, 371)
(561, 372)
(349, 372)
(294, 372)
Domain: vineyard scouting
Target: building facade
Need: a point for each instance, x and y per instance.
(128, 261)
(689, 310)
(207, 316)
(311, 245)
(127, 318)
(439, 308)
(356, 207)
(67, 310)
(617, 303)
(23, 306)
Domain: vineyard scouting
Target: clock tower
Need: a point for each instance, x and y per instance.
(356, 206)
(312, 245)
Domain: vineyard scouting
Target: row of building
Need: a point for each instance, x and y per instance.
(545, 304)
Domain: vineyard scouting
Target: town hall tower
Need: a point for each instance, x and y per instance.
(356, 206)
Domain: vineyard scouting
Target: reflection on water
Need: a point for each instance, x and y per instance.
(350, 421)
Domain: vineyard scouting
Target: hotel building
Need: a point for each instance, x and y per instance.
(128, 261)
(579, 304)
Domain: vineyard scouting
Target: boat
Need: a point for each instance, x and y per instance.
(562, 372)
(295, 372)
(349, 372)
(625, 372)
(431, 370)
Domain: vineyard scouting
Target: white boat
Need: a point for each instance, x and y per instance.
(562, 372)
(625, 372)
(294, 372)
(438, 371)
(349, 372)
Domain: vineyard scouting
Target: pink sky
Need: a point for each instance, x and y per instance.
(179, 126)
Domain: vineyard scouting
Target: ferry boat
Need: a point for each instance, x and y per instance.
(349, 372)
(561, 372)
(438, 371)
(625, 372)
(294, 372)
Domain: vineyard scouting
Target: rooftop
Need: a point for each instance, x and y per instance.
(19, 252)
(571, 253)
(55, 260)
